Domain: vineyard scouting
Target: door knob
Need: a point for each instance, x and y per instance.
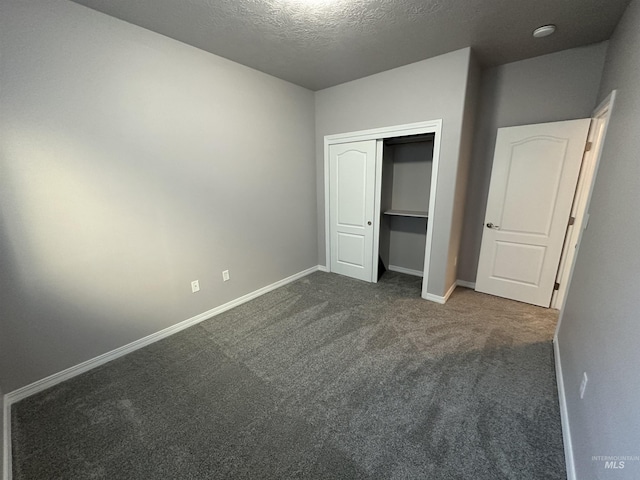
(491, 225)
(368, 223)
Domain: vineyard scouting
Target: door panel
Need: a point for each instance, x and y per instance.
(351, 249)
(351, 172)
(534, 176)
(517, 262)
(351, 202)
(533, 182)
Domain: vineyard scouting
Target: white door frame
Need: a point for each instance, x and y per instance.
(600, 116)
(597, 134)
(433, 126)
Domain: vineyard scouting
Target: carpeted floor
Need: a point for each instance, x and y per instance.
(326, 378)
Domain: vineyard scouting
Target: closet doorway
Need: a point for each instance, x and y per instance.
(380, 186)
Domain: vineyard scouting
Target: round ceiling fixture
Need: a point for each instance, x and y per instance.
(544, 31)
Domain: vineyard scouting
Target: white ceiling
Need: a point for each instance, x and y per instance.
(321, 43)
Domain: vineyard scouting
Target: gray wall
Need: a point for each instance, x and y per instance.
(130, 165)
(425, 90)
(469, 121)
(2, 426)
(600, 330)
(412, 164)
(560, 86)
(408, 238)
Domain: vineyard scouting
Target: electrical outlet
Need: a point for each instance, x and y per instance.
(195, 286)
(583, 385)
(225, 275)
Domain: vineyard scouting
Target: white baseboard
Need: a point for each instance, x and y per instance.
(564, 414)
(435, 298)
(40, 385)
(465, 284)
(6, 437)
(323, 268)
(438, 298)
(408, 271)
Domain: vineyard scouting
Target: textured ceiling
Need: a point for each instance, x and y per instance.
(321, 43)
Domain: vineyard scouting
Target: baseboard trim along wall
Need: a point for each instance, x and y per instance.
(438, 298)
(465, 284)
(408, 271)
(40, 385)
(443, 300)
(564, 414)
(6, 437)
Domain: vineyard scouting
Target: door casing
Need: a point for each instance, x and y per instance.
(597, 134)
(433, 126)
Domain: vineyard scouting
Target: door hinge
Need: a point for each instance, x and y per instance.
(572, 220)
(587, 147)
(556, 286)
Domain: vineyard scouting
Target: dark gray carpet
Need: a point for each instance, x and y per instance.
(327, 378)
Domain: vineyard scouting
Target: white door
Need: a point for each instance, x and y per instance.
(351, 189)
(533, 183)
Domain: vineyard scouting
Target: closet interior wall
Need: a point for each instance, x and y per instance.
(406, 185)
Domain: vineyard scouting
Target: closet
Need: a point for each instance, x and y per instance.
(407, 163)
(380, 187)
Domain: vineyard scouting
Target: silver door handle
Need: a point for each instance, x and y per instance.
(491, 225)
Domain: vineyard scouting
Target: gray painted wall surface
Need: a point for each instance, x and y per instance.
(469, 121)
(600, 330)
(1, 434)
(130, 165)
(412, 164)
(425, 90)
(407, 242)
(560, 86)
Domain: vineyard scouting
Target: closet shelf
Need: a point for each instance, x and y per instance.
(408, 213)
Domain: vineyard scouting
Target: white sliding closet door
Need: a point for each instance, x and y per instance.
(351, 191)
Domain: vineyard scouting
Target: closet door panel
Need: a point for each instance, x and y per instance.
(351, 176)
(351, 189)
